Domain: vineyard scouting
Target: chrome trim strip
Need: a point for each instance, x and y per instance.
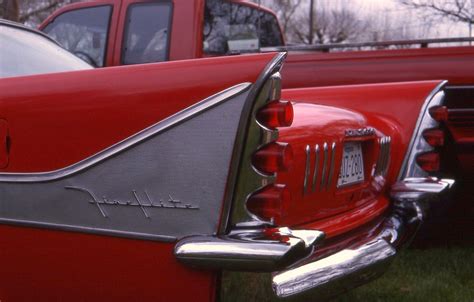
(435, 97)
(331, 169)
(387, 155)
(325, 160)
(384, 156)
(316, 168)
(137, 138)
(307, 169)
(89, 230)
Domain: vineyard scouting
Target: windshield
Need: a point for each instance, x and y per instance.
(24, 52)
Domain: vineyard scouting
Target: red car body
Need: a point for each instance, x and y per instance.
(74, 150)
(305, 68)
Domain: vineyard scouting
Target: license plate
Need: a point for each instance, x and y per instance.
(352, 166)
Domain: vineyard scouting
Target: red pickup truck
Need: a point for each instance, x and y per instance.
(123, 32)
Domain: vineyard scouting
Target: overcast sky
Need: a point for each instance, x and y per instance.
(394, 9)
(396, 12)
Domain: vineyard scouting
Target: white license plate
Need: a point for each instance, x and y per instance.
(352, 166)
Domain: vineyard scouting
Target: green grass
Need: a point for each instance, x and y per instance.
(437, 274)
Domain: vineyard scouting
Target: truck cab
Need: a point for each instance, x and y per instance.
(124, 32)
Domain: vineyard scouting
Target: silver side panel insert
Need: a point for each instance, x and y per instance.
(142, 187)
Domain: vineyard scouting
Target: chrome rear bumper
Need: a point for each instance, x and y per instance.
(292, 256)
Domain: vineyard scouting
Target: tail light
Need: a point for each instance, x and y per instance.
(273, 157)
(423, 158)
(268, 203)
(439, 113)
(434, 137)
(429, 162)
(276, 114)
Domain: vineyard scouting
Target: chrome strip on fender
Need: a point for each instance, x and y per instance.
(130, 141)
(307, 169)
(316, 163)
(331, 169)
(325, 160)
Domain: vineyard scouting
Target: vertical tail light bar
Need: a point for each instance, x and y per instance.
(257, 198)
(423, 158)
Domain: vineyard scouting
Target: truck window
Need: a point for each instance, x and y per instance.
(233, 27)
(146, 33)
(83, 32)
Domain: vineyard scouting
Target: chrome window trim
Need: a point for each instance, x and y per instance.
(434, 98)
(129, 142)
(20, 26)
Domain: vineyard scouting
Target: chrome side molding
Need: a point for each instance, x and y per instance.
(418, 189)
(266, 249)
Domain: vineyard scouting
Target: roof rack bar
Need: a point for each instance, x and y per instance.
(326, 47)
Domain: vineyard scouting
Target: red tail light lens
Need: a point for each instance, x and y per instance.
(273, 157)
(428, 161)
(434, 137)
(439, 113)
(276, 114)
(268, 203)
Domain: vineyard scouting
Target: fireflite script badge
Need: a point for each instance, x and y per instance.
(105, 201)
(360, 132)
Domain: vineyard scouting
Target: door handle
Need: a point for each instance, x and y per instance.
(4, 156)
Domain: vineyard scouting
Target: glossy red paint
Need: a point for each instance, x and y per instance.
(46, 135)
(392, 109)
(45, 265)
(312, 69)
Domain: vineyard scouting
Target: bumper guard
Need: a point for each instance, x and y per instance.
(287, 253)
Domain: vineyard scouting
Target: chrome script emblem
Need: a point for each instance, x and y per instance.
(368, 131)
(135, 201)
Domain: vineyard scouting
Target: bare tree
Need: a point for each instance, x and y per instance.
(285, 11)
(456, 10)
(30, 12)
(329, 26)
(9, 10)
